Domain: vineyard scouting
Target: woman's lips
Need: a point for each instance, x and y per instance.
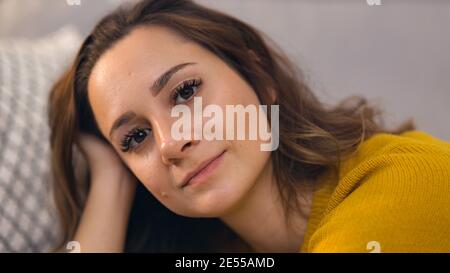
(203, 171)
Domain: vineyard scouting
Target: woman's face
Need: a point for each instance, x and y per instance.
(121, 88)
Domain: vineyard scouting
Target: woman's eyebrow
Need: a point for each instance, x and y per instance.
(122, 120)
(159, 84)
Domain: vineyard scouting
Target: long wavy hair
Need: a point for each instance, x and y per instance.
(313, 137)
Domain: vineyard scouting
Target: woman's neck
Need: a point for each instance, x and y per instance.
(259, 218)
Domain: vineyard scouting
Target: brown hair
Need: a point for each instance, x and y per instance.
(314, 138)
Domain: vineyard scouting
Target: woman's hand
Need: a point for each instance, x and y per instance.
(104, 163)
(103, 224)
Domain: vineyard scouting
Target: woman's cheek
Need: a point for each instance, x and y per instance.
(150, 176)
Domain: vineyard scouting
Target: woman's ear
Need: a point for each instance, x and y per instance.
(271, 90)
(254, 56)
(273, 95)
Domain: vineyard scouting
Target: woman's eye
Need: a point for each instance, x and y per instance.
(134, 137)
(186, 91)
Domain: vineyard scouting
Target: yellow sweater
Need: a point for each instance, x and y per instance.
(392, 195)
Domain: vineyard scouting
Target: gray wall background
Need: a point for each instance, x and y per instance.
(396, 54)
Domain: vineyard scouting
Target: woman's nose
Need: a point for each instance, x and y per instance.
(173, 150)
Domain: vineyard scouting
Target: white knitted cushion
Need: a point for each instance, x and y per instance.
(28, 68)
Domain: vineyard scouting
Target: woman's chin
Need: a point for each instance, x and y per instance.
(212, 203)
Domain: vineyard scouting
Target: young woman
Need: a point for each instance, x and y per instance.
(337, 182)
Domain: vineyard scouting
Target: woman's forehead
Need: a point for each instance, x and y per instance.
(150, 49)
(134, 63)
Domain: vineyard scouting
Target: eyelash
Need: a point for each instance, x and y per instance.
(128, 138)
(183, 86)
